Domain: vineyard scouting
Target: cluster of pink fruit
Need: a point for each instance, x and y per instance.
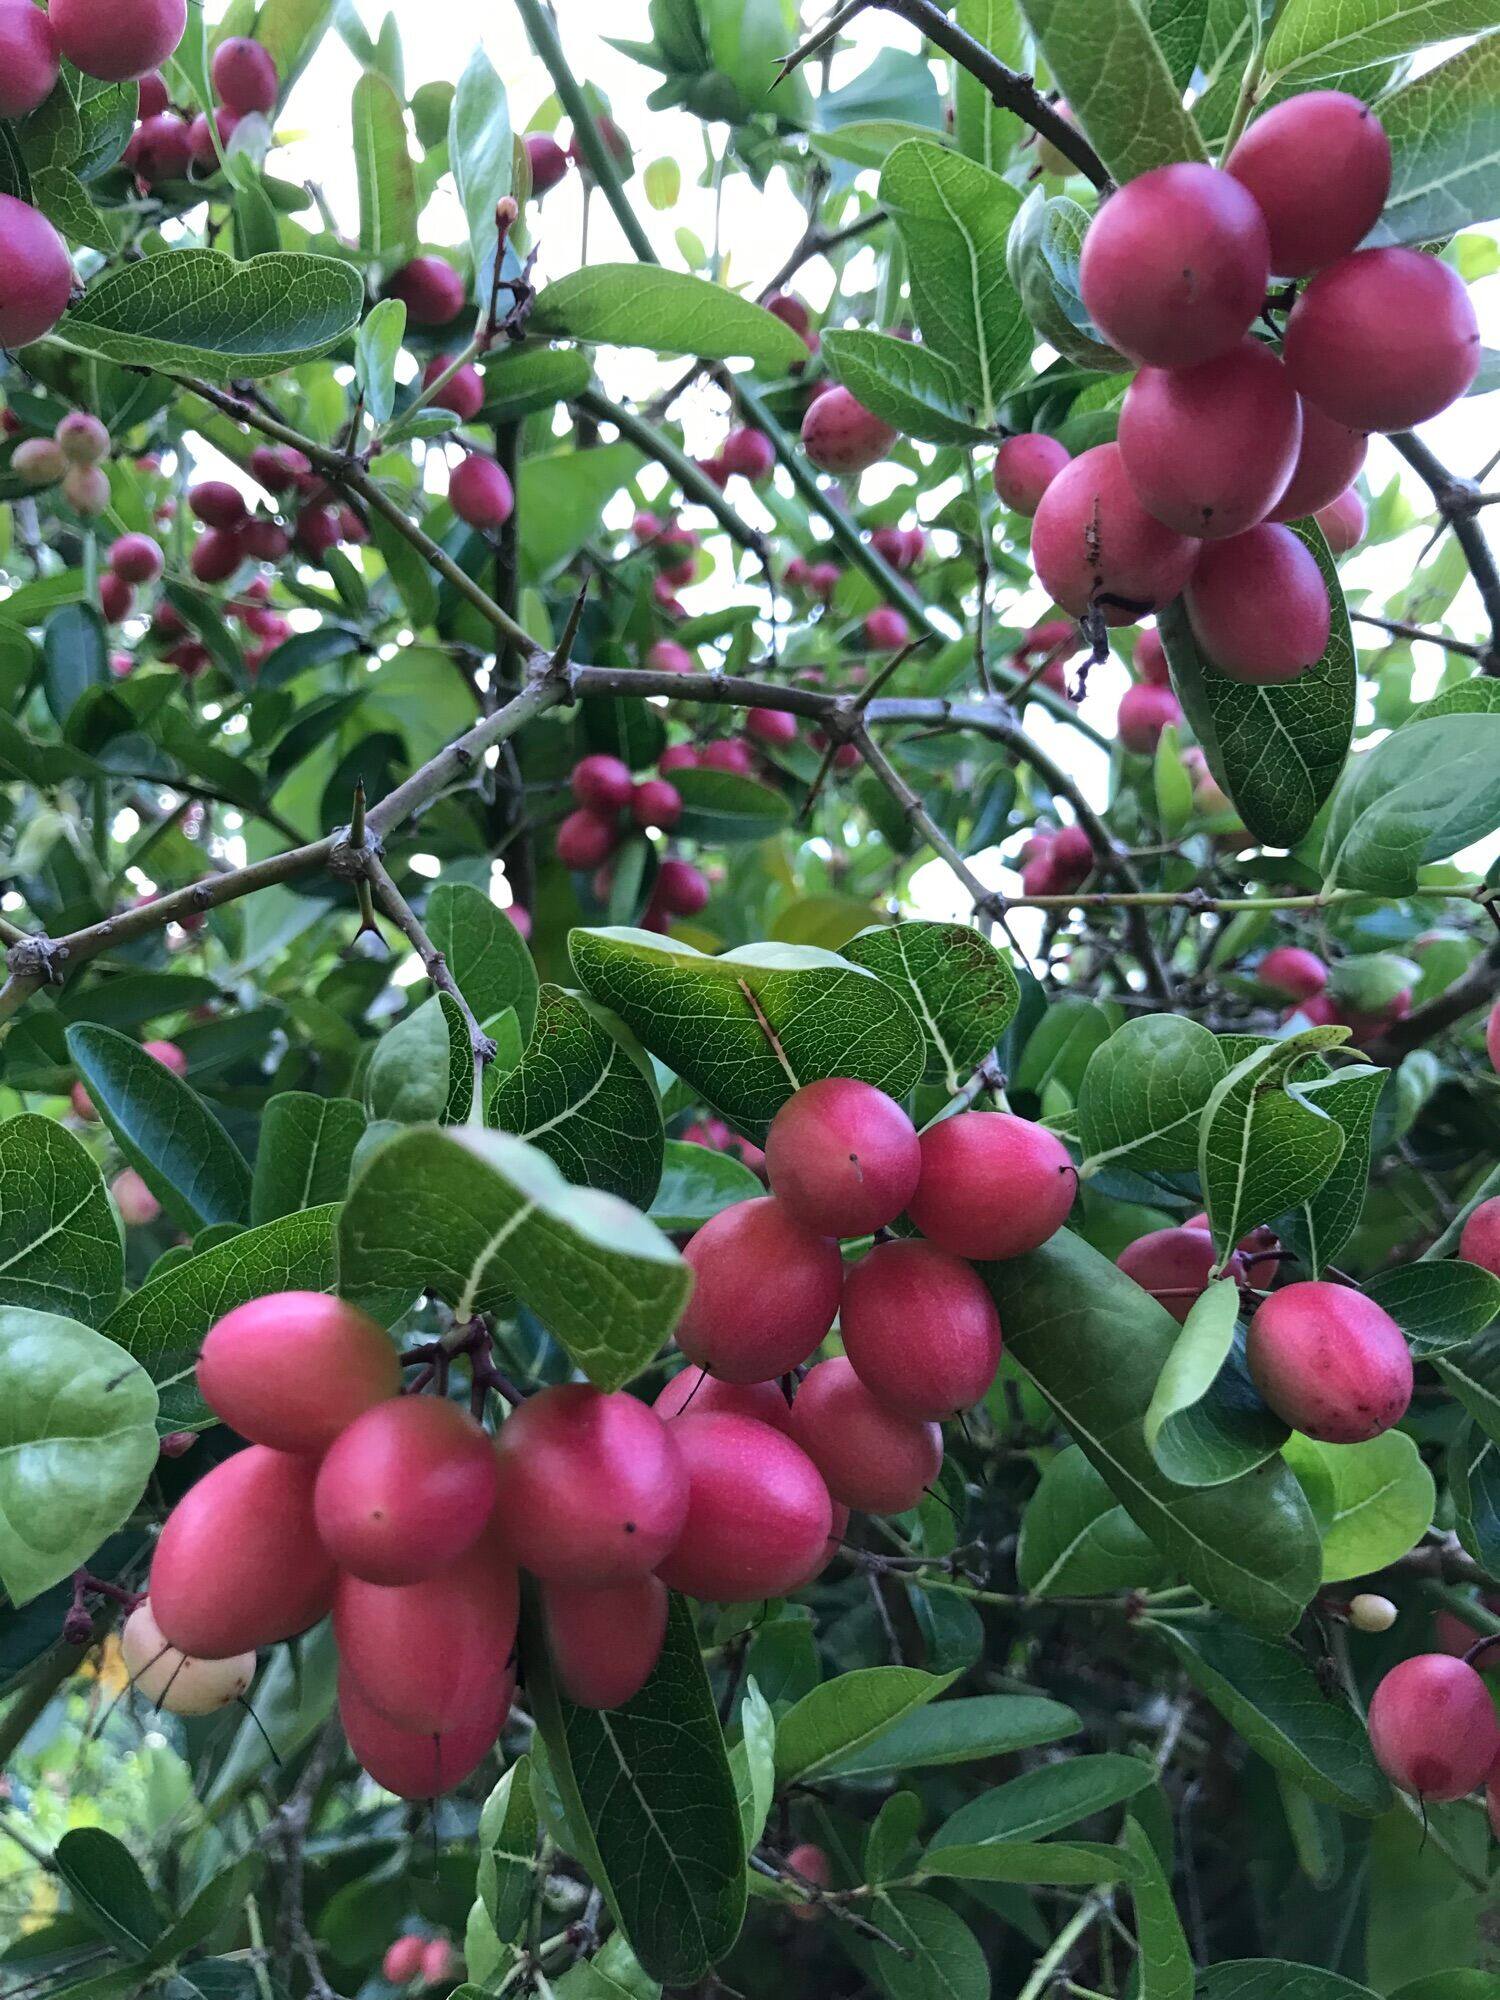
(1301, 978)
(412, 1960)
(674, 549)
(165, 146)
(609, 802)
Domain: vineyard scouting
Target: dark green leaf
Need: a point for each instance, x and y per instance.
(838, 1720)
(1043, 1801)
(1438, 1305)
(723, 807)
(956, 1732)
(75, 657)
(961, 989)
(60, 1247)
(485, 952)
(696, 1182)
(109, 1888)
(306, 1147)
(1206, 1424)
(1143, 1094)
(1263, 1145)
(1078, 1541)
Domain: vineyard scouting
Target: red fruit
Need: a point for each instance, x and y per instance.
(602, 782)
(776, 726)
(585, 838)
(431, 1655)
(189, 657)
(28, 58)
(886, 628)
(266, 541)
(758, 1514)
(1072, 858)
(217, 554)
(1328, 461)
(748, 452)
(1174, 266)
(431, 290)
(920, 1330)
(1480, 1240)
(1151, 659)
(889, 544)
(603, 1643)
(681, 889)
(612, 138)
(239, 1563)
(202, 151)
(480, 492)
(993, 1185)
(548, 161)
(871, 1457)
(317, 531)
(726, 756)
(164, 147)
(823, 580)
(655, 803)
(129, 38)
(1293, 972)
(115, 597)
(1433, 1728)
(405, 1489)
(1260, 1253)
(1144, 712)
(1209, 450)
(136, 559)
(1258, 606)
(765, 1292)
(292, 1369)
(244, 76)
(1323, 140)
(1383, 339)
(592, 1487)
(813, 1865)
(217, 504)
(1093, 542)
(38, 273)
(840, 435)
(1025, 466)
(791, 312)
(667, 657)
(843, 1158)
(1174, 1266)
(402, 1961)
(463, 393)
(1330, 1362)
(677, 757)
(1319, 1012)
(693, 1393)
(410, 1763)
(278, 467)
(1343, 522)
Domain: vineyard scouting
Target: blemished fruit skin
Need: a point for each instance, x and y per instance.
(843, 1156)
(405, 1489)
(603, 1643)
(1151, 659)
(1025, 466)
(693, 1393)
(293, 1369)
(765, 1290)
(1479, 1242)
(1328, 461)
(244, 75)
(1383, 339)
(992, 1186)
(28, 58)
(1343, 522)
(38, 273)
(593, 1489)
(1209, 450)
(602, 782)
(1093, 540)
(1324, 140)
(1330, 1362)
(239, 1563)
(1259, 607)
(431, 290)
(1144, 712)
(841, 436)
(127, 39)
(480, 492)
(1293, 971)
(174, 1680)
(403, 1960)
(1433, 1728)
(411, 1763)
(871, 1457)
(758, 1513)
(1174, 265)
(920, 1330)
(1174, 1266)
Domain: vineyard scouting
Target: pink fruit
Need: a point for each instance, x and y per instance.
(758, 1513)
(692, 1393)
(1144, 712)
(992, 1185)
(749, 453)
(902, 1288)
(602, 782)
(886, 629)
(1025, 466)
(127, 39)
(411, 1763)
(842, 1157)
(244, 76)
(586, 838)
(217, 554)
(549, 162)
(1295, 973)
(667, 657)
(604, 1642)
(405, 1489)
(439, 1962)
(138, 1206)
(217, 504)
(115, 598)
(1383, 339)
(1328, 461)
(1151, 659)
(28, 58)
(1480, 1240)
(1174, 1266)
(681, 889)
(402, 1961)
(136, 559)
(1094, 545)
(871, 1457)
(1432, 1727)
(480, 492)
(1258, 606)
(152, 95)
(38, 274)
(1324, 140)
(766, 1288)
(841, 436)
(726, 756)
(655, 803)
(431, 290)
(773, 726)
(1330, 1362)
(278, 467)
(293, 1369)
(463, 393)
(1343, 522)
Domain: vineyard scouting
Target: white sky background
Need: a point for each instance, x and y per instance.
(758, 227)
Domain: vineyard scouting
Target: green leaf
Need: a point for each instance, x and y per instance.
(1372, 1501)
(1324, 1223)
(1042, 1801)
(1094, 1344)
(1314, 40)
(1267, 1690)
(939, 1957)
(962, 990)
(109, 1889)
(613, 1973)
(837, 1720)
(639, 305)
(1439, 1305)
(481, 152)
(79, 1444)
(532, 378)
(1129, 105)
(1179, 26)
(651, 1806)
(1276, 1979)
(1474, 1481)
(952, 216)
(1277, 751)
(75, 657)
(1144, 1092)
(164, 1129)
(1444, 129)
(383, 166)
(410, 1075)
(722, 807)
(1164, 1965)
(984, 130)
(1421, 794)
(506, 1881)
(956, 1732)
(408, 572)
(199, 311)
(485, 953)
(290, 30)
(1043, 1862)
(1473, 1374)
(1078, 1541)
(753, 1762)
(696, 1182)
(1264, 1146)
(911, 388)
(1042, 257)
(1061, 1045)
(585, 1096)
(560, 497)
(306, 1148)
(1206, 1424)
(60, 1246)
(375, 354)
(713, 1020)
(477, 1217)
(222, 1896)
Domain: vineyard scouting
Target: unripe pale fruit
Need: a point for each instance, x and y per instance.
(28, 58)
(1144, 712)
(86, 489)
(1369, 1613)
(430, 289)
(602, 782)
(405, 1489)
(1151, 659)
(758, 1512)
(480, 492)
(603, 1643)
(432, 1655)
(463, 392)
(1093, 542)
(585, 838)
(244, 76)
(136, 559)
(993, 1185)
(841, 436)
(871, 1457)
(1174, 1266)
(655, 803)
(1343, 522)
(126, 39)
(681, 889)
(1324, 141)
(294, 1369)
(1259, 607)
(38, 273)
(774, 726)
(1025, 466)
(766, 1288)
(1330, 1362)
(239, 1563)
(1295, 973)
(173, 1680)
(1383, 339)
(1328, 460)
(843, 1157)
(409, 1763)
(1479, 1242)
(39, 461)
(1433, 1728)
(1210, 449)
(920, 1330)
(402, 1961)
(1174, 265)
(549, 162)
(217, 504)
(135, 1201)
(592, 1486)
(693, 1393)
